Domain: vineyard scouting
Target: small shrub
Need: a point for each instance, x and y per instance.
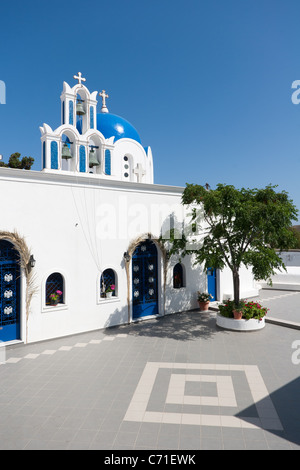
(249, 309)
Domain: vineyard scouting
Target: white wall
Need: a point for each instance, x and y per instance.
(288, 279)
(79, 225)
(248, 287)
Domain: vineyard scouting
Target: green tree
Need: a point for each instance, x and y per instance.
(297, 235)
(15, 162)
(237, 227)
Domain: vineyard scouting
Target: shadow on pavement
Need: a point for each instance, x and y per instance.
(185, 326)
(286, 402)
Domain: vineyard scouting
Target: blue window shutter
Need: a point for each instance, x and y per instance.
(82, 167)
(71, 108)
(91, 117)
(107, 162)
(54, 155)
(44, 154)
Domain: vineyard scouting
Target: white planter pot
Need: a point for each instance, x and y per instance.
(240, 325)
(108, 295)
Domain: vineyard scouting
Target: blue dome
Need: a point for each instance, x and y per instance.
(111, 125)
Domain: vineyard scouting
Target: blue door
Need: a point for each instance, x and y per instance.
(9, 292)
(144, 280)
(212, 283)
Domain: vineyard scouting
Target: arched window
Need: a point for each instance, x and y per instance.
(108, 287)
(55, 289)
(178, 278)
(107, 162)
(68, 151)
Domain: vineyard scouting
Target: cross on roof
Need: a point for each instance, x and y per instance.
(139, 172)
(104, 96)
(79, 78)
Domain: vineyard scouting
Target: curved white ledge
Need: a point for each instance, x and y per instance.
(240, 325)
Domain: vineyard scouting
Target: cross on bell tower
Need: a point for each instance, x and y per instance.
(79, 78)
(103, 96)
(139, 172)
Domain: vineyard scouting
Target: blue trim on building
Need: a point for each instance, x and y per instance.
(71, 112)
(82, 159)
(92, 117)
(54, 155)
(107, 165)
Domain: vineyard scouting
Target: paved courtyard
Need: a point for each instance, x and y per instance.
(178, 383)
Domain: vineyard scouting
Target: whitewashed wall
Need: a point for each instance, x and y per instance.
(288, 279)
(79, 225)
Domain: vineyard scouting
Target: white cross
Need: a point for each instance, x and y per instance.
(79, 78)
(104, 96)
(139, 172)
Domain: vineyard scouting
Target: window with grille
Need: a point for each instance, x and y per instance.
(108, 283)
(54, 283)
(178, 280)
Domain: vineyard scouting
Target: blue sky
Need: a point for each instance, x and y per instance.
(207, 83)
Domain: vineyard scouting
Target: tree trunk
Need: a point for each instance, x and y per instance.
(236, 286)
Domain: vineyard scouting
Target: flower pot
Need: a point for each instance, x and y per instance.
(237, 315)
(203, 306)
(108, 295)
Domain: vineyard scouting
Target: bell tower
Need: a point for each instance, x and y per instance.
(103, 144)
(78, 106)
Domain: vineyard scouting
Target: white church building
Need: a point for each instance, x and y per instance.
(79, 240)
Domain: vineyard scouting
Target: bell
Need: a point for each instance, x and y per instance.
(93, 159)
(66, 154)
(79, 108)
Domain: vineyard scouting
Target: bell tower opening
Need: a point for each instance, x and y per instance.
(94, 157)
(68, 150)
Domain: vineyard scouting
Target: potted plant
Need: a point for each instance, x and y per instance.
(109, 291)
(238, 311)
(203, 300)
(254, 310)
(252, 315)
(231, 310)
(55, 297)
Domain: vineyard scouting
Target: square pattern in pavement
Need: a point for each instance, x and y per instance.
(225, 397)
(173, 383)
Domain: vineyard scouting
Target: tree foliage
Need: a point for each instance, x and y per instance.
(297, 235)
(237, 227)
(15, 162)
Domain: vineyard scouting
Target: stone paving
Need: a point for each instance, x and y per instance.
(284, 305)
(173, 383)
